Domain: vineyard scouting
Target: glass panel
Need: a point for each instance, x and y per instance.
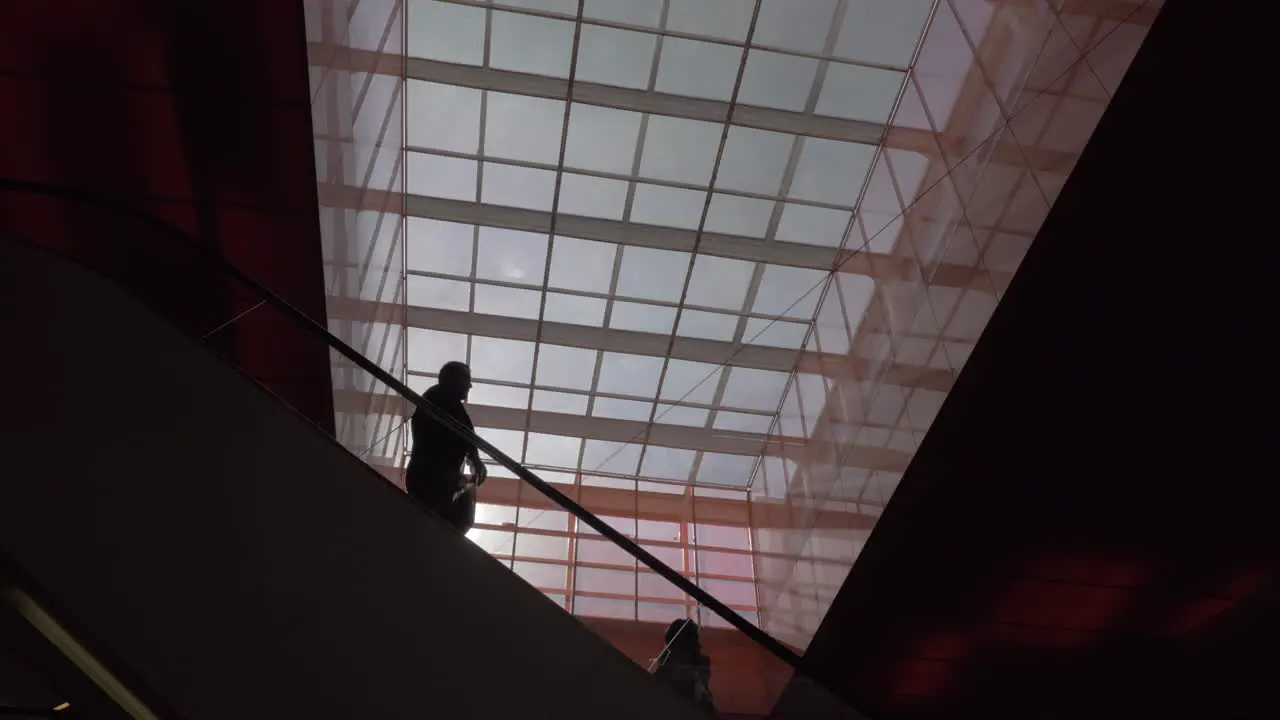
(507, 302)
(624, 525)
(560, 7)
(599, 580)
(510, 442)
(698, 69)
(439, 293)
(430, 349)
(650, 274)
(775, 333)
(602, 138)
(667, 206)
(859, 93)
(542, 575)
(558, 402)
(728, 592)
(653, 587)
(680, 150)
(774, 80)
(439, 247)
(446, 31)
(800, 25)
(708, 325)
(618, 409)
(616, 483)
(737, 215)
(544, 547)
(660, 612)
(528, 44)
(604, 607)
(681, 415)
(752, 389)
(566, 367)
(742, 422)
(728, 19)
(610, 56)
(672, 556)
(664, 487)
(584, 265)
(643, 318)
(556, 7)
(574, 310)
(498, 395)
(442, 177)
(592, 196)
(443, 117)
(632, 12)
(723, 536)
(511, 256)
(831, 171)
(721, 469)
(788, 291)
(688, 381)
(719, 282)
(543, 519)
(726, 563)
(553, 450)
(666, 463)
(882, 33)
(494, 542)
(635, 375)
(811, 225)
(501, 359)
(603, 552)
(754, 160)
(518, 186)
(523, 128)
(611, 457)
(660, 530)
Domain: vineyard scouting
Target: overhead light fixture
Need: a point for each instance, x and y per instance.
(61, 706)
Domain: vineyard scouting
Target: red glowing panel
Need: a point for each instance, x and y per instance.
(1055, 638)
(922, 678)
(1061, 605)
(944, 646)
(1078, 567)
(1196, 614)
(1245, 583)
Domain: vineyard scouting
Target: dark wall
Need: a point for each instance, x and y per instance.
(197, 113)
(236, 560)
(1091, 527)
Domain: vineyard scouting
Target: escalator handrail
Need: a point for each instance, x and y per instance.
(760, 637)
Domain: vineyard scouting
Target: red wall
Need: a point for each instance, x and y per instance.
(1089, 529)
(198, 113)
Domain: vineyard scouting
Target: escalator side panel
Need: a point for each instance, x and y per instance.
(238, 560)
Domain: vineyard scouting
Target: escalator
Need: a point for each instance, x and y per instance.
(221, 556)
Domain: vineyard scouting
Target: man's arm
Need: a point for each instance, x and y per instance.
(479, 473)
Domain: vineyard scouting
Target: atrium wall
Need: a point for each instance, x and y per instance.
(359, 132)
(1000, 102)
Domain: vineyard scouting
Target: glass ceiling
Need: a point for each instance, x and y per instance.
(624, 221)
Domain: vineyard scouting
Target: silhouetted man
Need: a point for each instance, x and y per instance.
(434, 476)
(683, 666)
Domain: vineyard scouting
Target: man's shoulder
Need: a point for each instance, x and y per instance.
(442, 399)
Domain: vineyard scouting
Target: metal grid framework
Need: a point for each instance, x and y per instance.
(717, 303)
(1009, 95)
(623, 215)
(610, 175)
